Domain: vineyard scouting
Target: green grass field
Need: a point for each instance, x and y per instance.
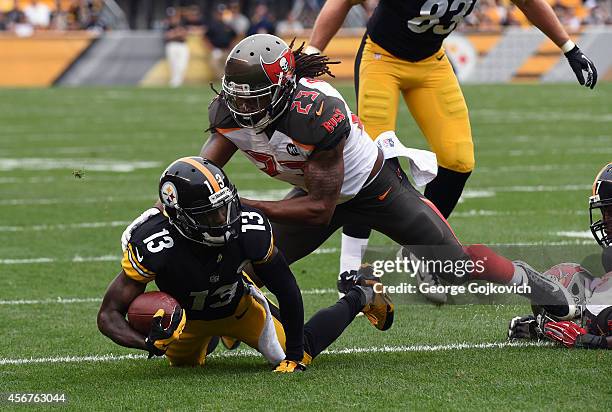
(537, 149)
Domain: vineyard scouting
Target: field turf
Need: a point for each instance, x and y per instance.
(76, 165)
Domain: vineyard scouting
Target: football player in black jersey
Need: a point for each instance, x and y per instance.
(299, 129)
(402, 53)
(196, 251)
(598, 305)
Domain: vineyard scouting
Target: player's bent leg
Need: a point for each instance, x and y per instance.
(446, 189)
(191, 348)
(411, 220)
(439, 108)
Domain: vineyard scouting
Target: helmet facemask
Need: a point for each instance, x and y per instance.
(602, 227)
(212, 225)
(257, 108)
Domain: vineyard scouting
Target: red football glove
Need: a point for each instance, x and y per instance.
(565, 332)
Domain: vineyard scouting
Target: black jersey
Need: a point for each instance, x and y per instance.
(205, 280)
(414, 29)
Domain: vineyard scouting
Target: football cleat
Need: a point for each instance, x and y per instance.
(524, 327)
(547, 293)
(380, 310)
(289, 366)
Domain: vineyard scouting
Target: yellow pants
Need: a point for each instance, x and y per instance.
(432, 93)
(245, 325)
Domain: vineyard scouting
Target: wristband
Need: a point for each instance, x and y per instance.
(567, 46)
(311, 50)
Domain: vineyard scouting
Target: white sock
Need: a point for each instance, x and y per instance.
(519, 276)
(351, 252)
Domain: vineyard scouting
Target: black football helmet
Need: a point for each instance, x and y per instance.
(200, 201)
(259, 80)
(602, 200)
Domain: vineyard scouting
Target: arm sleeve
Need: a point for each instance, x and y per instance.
(279, 280)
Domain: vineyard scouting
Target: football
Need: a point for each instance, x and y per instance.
(143, 308)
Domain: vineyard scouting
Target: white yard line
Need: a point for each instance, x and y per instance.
(68, 301)
(64, 226)
(77, 200)
(252, 353)
(91, 164)
(275, 194)
(579, 234)
(59, 300)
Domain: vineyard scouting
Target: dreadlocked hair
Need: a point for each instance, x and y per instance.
(310, 65)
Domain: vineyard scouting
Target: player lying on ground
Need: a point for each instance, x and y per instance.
(594, 295)
(401, 54)
(300, 130)
(195, 251)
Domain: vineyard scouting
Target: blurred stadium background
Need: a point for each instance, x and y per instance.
(127, 42)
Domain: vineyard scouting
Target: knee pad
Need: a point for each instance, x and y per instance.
(458, 156)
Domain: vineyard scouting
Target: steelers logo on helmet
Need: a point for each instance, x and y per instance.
(169, 194)
(200, 201)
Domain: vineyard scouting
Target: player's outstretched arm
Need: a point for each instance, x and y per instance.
(323, 175)
(111, 316)
(328, 23)
(278, 278)
(543, 17)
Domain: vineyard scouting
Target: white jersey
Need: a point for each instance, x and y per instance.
(317, 118)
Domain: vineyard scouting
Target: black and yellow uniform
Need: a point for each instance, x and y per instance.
(402, 53)
(210, 285)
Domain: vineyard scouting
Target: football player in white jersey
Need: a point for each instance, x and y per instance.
(594, 294)
(300, 130)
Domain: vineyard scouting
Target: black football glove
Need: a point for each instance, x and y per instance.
(579, 63)
(589, 341)
(524, 327)
(289, 366)
(159, 338)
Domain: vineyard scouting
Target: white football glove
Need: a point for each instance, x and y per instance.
(127, 233)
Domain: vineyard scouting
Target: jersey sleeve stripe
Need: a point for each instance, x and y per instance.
(270, 250)
(209, 176)
(140, 268)
(131, 272)
(224, 131)
(308, 147)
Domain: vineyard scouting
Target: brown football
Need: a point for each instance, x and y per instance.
(143, 308)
